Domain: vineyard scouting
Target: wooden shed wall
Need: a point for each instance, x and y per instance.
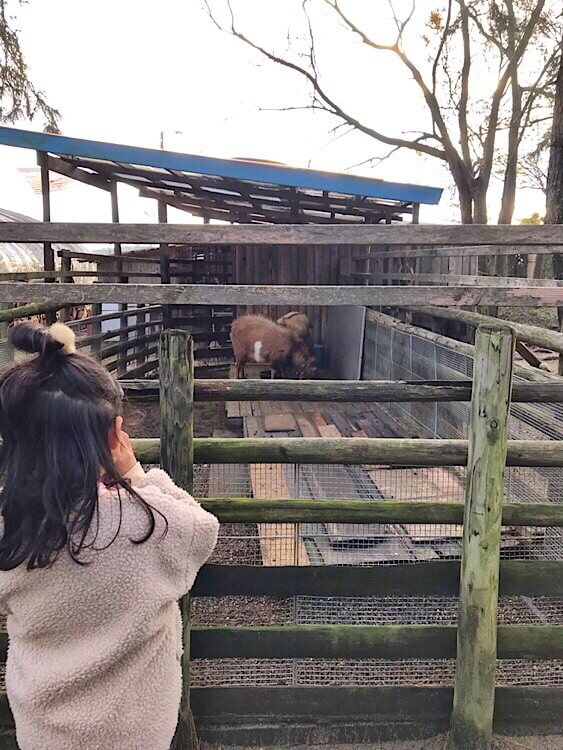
(255, 264)
(282, 264)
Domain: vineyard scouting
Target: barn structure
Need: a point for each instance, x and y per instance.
(234, 191)
(340, 500)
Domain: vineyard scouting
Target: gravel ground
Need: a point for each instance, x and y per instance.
(439, 742)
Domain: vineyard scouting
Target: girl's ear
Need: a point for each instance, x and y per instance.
(114, 433)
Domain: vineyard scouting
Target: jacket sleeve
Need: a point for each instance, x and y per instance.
(135, 475)
(191, 532)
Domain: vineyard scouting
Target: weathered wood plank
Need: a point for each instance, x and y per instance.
(256, 295)
(529, 334)
(326, 642)
(381, 703)
(283, 234)
(254, 707)
(393, 642)
(517, 578)
(279, 423)
(389, 483)
(9, 314)
(427, 252)
(404, 511)
(280, 543)
(345, 391)
(472, 714)
(351, 451)
(463, 279)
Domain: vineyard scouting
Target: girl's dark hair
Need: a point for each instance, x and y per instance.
(55, 414)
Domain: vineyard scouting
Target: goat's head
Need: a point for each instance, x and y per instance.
(305, 364)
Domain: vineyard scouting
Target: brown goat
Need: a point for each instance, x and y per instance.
(300, 324)
(258, 339)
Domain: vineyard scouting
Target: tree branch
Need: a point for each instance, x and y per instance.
(489, 146)
(329, 104)
(464, 97)
(443, 38)
(450, 153)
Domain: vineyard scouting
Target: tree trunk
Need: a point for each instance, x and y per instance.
(511, 171)
(554, 207)
(489, 264)
(554, 204)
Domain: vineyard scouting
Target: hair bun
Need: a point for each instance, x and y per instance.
(64, 336)
(34, 338)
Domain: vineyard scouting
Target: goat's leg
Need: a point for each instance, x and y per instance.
(272, 373)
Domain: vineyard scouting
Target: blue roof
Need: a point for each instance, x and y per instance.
(113, 158)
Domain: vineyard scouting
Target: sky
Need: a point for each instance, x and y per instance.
(125, 70)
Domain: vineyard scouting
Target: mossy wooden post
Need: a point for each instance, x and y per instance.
(66, 268)
(177, 458)
(472, 716)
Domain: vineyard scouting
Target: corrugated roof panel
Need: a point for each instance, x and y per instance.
(262, 173)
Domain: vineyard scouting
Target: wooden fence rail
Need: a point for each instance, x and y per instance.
(350, 451)
(393, 642)
(466, 251)
(343, 391)
(27, 311)
(289, 714)
(517, 578)
(292, 510)
(529, 334)
(255, 295)
(454, 279)
(291, 234)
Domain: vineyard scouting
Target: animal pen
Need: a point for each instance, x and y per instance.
(354, 593)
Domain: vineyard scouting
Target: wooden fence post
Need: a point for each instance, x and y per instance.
(177, 459)
(66, 277)
(472, 716)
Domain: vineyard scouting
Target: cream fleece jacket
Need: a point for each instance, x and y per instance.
(94, 651)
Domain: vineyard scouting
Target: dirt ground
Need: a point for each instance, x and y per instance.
(143, 419)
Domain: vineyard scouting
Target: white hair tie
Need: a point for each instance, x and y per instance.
(65, 336)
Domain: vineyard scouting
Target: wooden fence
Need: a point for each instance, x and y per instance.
(476, 642)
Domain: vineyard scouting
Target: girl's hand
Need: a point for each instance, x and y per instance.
(123, 455)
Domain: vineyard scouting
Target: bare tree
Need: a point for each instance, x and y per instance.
(19, 97)
(472, 133)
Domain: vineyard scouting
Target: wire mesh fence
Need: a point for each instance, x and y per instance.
(396, 356)
(362, 672)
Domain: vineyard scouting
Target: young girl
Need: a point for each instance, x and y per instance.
(94, 555)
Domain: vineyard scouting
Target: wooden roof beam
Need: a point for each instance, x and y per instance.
(67, 169)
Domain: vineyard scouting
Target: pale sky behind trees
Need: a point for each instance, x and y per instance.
(123, 70)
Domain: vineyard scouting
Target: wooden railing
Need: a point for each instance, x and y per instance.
(476, 642)
(485, 462)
